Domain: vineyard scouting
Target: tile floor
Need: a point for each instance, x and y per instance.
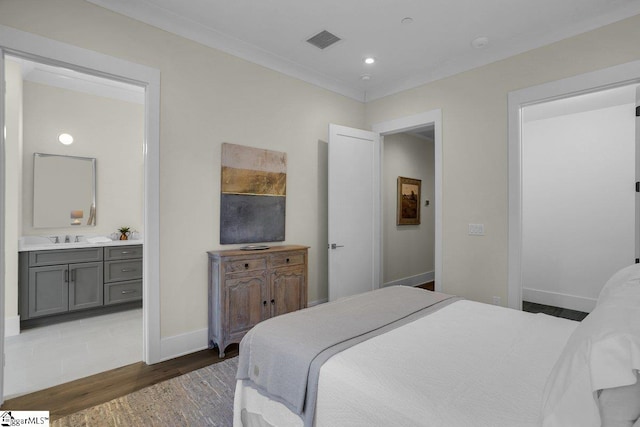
(42, 357)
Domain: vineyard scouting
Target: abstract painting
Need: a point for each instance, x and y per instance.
(253, 195)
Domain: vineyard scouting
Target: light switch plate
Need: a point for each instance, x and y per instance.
(476, 229)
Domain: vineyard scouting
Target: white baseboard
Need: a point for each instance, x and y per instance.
(11, 326)
(555, 299)
(316, 302)
(416, 280)
(179, 345)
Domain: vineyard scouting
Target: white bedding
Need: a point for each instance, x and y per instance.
(472, 364)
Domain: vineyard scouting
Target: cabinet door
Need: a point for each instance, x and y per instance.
(85, 285)
(246, 303)
(287, 290)
(48, 290)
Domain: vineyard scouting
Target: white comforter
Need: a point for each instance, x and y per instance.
(471, 364)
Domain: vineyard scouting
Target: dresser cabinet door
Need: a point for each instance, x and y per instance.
(245, 303)
(287, 290)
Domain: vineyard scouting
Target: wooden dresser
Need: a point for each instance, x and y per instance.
(246, 287)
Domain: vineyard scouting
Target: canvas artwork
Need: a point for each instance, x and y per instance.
(408, 201)
(253, 195)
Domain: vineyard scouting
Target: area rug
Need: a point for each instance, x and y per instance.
(200, 398)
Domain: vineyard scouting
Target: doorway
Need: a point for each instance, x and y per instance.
(408, 249)
(22, 44)
(519, 101)
(107, 120)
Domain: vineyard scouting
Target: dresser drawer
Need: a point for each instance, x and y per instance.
(122, 292)
(122, 252)
(286, 259)
(64, 256)
(115, 271)
(237, 266)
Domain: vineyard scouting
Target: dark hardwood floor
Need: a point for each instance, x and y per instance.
(532, 307)
(86, 392)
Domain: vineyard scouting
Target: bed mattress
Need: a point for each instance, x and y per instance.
(468, 364)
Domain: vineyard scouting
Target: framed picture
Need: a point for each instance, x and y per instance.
(408, 201)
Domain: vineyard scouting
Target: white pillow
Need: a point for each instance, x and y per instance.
(602, 353)
(620, 406)
(624, 278)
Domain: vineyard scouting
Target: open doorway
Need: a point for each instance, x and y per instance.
(593, 82)
(408, 252)
(106, 118)
(578, 196)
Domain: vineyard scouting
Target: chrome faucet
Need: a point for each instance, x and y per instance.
(57, 239)
(67, 239)
(77, 239)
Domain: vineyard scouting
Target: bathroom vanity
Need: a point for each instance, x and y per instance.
(78, 281)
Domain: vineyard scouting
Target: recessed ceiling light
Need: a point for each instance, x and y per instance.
(65, 138)
(408, 20)
(365, 77)
(480, 42)
(369, 60)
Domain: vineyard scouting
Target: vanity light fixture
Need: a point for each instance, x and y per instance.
(369, 60)
(65, 138)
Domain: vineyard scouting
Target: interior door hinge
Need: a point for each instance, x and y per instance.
(637, 260)
(637, 186)
(638, 111)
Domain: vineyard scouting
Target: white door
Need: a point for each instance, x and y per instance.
(354, 211)
(2, 233)
(637, 214)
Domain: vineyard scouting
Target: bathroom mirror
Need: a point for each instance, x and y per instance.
(64, 191)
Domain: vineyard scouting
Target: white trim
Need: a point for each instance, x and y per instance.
(555, 299)
(2, 219)
(317, 302)
(182, 344)
(589, 82)
(418, 279)
(52, 52)
(405, 124)
(11, 326)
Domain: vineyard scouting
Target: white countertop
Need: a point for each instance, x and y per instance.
(35, 243)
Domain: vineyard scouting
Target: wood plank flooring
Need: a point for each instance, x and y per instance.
(86, 392)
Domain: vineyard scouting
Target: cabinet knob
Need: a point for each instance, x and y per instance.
(246, 266)
(273, 301)
(287, 259)
(264, 303)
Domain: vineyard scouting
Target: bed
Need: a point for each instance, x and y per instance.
(452, 363)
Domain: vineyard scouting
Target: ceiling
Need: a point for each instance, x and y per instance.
(436, 44)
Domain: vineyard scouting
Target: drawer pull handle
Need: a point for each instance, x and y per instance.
(127, 270)
(125, 252)
(133, 291)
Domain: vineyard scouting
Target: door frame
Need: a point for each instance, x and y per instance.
(405, 124)
(619, 75)
(48, 51)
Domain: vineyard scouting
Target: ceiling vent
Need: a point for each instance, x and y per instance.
(323, 39)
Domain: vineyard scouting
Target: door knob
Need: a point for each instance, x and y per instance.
(334, 246)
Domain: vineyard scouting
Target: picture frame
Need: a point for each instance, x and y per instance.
(409, 196)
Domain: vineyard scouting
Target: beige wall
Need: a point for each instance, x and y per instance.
(474, 135)
(207, 98)
(408, 249)
(109, 130)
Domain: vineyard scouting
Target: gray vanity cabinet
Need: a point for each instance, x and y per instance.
(73, 283)
(61, 280)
